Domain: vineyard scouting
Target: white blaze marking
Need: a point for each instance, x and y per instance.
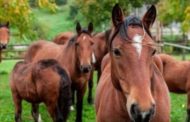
(93, 58)
(138, 43)
(39, 118)
(84, 37)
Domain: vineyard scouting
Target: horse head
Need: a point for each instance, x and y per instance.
(131, 50)
(4, 35)
(84, 47)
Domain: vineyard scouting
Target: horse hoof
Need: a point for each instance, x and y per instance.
(72, 108)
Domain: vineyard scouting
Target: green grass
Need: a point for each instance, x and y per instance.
(55, 22)
(178, 104)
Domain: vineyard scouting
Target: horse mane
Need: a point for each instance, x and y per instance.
(73, 39)
(122, 29)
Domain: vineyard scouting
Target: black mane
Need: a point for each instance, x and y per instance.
(73, 39)
(122, 29)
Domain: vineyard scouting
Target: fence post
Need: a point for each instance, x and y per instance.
(184, 50)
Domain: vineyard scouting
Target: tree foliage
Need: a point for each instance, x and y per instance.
(174, 10)
(186, 22)
(19, 14)
(99, 11)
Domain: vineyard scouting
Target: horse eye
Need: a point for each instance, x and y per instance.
(116, 52)
(154, 52)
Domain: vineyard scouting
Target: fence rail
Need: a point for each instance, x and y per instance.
(14, 52)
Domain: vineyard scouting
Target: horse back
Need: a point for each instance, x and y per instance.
(62, 38)
(43, 50)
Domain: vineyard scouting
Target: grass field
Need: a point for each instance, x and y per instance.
(178, 103)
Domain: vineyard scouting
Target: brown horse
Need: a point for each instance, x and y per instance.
(62, 38)
(74, 57)
(44, 81)
(4, 36)
(177, 77)
(131, 87)
(100, 50)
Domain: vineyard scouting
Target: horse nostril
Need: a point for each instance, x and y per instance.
(4, 46)
(86, 68)
(138, 115)
(135, 112)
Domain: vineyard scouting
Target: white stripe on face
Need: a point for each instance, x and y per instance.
(84, 37)
(137, 43)
(93, 58)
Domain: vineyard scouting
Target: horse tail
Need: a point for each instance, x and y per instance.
(32, 51)
(64, 100)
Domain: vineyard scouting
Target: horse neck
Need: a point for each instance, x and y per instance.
(68, 59)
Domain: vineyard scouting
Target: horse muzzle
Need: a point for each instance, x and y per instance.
(85, 68)
(141, 116)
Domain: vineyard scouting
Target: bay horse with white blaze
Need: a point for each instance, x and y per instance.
(75, 57)
(177, 77)
(4, 36)
(131, 87)
(44, 81)
(99, 51)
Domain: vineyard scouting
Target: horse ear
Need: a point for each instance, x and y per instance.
(117, 15)
(78, 28)
(7, 24)
(149, 17)
(90, 27)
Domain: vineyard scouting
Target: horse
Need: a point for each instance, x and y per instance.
(31, 82)
(131, 87)
(177, 77)
(4, 36)
(74, 57)
(99, 49)
(63, 37)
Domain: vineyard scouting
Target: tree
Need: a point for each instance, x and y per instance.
(172, 10)
(186, 22)
(19, 14)
(99, 11)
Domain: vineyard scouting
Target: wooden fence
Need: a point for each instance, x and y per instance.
(15, 52)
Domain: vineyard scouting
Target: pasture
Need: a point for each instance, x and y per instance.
(58, 23)
(178, 103)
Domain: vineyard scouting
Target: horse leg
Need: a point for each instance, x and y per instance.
(35, 112)
(80, 94)
(73, 99)
(18, 107)
(52, 110)
(90, 86)
(98, 74)
(188, 107)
